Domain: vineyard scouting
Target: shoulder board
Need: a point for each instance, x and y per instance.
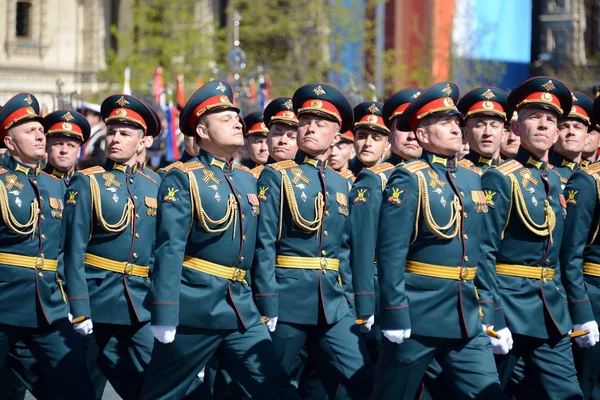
(50, 175)
(92, 170)
(190, 166)
(170, 166)
(147, 177)
(415, 166)
(281, 165)
(591, 169)
(383, 167)
(346, 174)
(257, 170)
(468, 164)
(241, 167)
(509, 167)
(3, 170)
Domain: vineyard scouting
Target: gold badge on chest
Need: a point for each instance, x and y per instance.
(527, 178)
(151, 206)
(298, 178)
(209, 176)
(435, 183)
(57, 207)
(342, 201)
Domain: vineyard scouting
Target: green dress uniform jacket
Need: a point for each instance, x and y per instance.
(111, 213)
(563, 167)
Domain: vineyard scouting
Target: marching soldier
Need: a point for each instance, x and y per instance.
(572, 134)
(341, 155)
(524, 229)
(510, 142)
(66, 132)
(255, 134)
(301, 277)
(581, 248)
(201, 303)
(111, 214)
(35, 305)
(282, 123)
(93, 151)
(427, 250)
(592, 142)
(484, 114)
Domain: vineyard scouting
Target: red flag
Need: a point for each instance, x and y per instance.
(180, 95)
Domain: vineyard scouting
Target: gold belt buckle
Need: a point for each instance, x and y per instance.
(324, 265)
(128, 269)
(545, 274)
(237, 273)
(464, 274)
(39, 263)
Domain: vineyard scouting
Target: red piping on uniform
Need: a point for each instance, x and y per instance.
(547, 309)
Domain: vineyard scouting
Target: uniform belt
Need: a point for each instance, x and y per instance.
(321, 263)
(120, 267)
(524, 271)
(591, 269)
(220, 271)
(39, 263)
(437, 271)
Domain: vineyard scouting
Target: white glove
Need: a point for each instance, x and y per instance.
(271, 323)
(589, 340)
(163, 333)
(84, 328)
(397, 335)
(504, 344)
(70, 316)
(366, 327)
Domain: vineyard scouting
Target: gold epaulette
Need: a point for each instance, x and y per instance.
(190, 166)
(241, 167)
(383, 167)
(346, 174)
(591, 169)
(170, 166)
(92, 170)
(3, 170)
(147, 177)
(257, 170)
(509, 167)
(281, 165)
(468, 164)
(414, 166)
(50, 175)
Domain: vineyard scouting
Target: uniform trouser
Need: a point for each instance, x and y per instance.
(91, 354)
(57, 352)
(587, 362)
(338, 350)
(467, 363)
(550, 362)
(125, 360)
(248, 356)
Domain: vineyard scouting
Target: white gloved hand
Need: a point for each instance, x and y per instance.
(366, 327)
(589, 340)
(272, 324)
(397, 335)
(84, 328)
(70, 316)
(504, 344)
(163, 333)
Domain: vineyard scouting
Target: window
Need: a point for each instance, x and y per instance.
(23, 20)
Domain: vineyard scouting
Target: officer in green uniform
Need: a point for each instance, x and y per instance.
(484, 111)
(66, 132)
(282, 123)
(31, 266)
(201, 302)
(591, 146)
(427, 252)
(524, 228)
(301, 278)
(572, 134)
(255, 133)
(112, 250)
(342, 155)
(581, 248)
(510, 142)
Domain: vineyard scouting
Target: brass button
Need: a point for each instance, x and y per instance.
(326, 193)
(243, 216)
(466, 258)
(454, 175)
(323, 252)
(137, 216)
(230, 177)
(462, 193)
(130, 180)
(41, 274)
(466, 215)
(34, 182)
(42, 255)
(326, 212)
(548, 262)
(41, 198)
(137, 235)
(244, 237)
(135, 197)
(128, 269)
(135, 255)
(43, 236)
(466, 236)
(325, 233)
(241, 259)
(239, 196)
(42, 217)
